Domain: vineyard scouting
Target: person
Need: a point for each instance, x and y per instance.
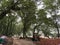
(35, 37)
(3, 40)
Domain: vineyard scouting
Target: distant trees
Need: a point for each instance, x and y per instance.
(27, 10)
(52, 7)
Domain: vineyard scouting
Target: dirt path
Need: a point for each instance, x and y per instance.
(22, 42)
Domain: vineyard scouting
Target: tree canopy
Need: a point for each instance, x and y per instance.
(23, 16)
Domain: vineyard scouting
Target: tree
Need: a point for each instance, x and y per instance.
(27, 15)
(43, 20)
(52, 7)
(24, 9)
(7, 25)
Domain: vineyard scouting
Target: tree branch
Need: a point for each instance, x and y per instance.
(12, 7)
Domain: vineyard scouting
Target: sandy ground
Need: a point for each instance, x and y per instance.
(22, 42)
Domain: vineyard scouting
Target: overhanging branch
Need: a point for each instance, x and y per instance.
(12, 7)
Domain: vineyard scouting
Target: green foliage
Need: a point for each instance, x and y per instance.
(53, 6)
(27, 11)
(27, 14)
(41, 14)
(7, 25)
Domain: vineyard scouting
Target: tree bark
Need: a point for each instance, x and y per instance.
(57, 29)
(24, 30)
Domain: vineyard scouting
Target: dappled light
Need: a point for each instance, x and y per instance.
(29, 22)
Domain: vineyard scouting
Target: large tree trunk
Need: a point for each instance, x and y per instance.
(24, 33)
(6, 33)
(57, 30)
(24, 30)
(34, 31)
(10, 28)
